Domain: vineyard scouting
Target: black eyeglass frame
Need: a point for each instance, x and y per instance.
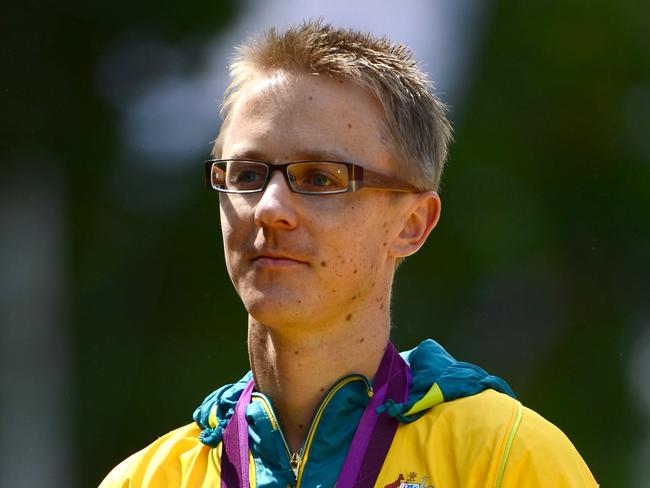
(359, 177)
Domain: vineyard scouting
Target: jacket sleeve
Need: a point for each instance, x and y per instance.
(537, 454)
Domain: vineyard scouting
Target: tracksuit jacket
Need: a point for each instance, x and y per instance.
(460, 427)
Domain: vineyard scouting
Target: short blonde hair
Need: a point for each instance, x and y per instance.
(414, 118)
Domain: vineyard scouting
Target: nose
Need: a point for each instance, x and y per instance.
(276, 207)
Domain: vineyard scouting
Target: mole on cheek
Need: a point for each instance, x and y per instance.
(310, 97)
(361, 340)
(349, 126)
(323, 263)
(349, 317)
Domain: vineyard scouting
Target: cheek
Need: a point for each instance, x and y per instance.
(356, 251)
(351, 274)
(233, 232)
(236, 214)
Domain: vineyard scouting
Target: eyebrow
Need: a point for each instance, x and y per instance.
(302, 155)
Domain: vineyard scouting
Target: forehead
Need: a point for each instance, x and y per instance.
(299, 116)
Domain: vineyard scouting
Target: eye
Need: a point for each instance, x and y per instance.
(319, 179)
(247, 176)
(319, 176)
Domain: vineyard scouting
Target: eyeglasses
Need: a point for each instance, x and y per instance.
(306, 177)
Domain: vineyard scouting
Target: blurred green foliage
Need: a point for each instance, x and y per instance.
(538, 270)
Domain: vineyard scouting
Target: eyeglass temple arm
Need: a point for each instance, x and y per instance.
(207, 169)
(366, 178)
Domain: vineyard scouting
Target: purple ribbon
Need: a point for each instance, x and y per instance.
(369, 445)
(375, 432)
(234, 457)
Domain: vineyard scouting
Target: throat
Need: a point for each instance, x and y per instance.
(295, 431)
(351, 390)
(297, 373)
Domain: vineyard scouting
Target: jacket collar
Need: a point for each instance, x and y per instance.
(436, 378)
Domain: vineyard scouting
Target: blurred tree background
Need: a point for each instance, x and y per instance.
(538, 270)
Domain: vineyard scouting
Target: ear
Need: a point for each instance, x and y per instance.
(419, 219)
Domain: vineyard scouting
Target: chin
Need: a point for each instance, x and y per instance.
(276, 308)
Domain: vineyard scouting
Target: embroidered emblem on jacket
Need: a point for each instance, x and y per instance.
(409, 482)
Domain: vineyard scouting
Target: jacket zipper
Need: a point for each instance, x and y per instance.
(304, 451)
(296, 459)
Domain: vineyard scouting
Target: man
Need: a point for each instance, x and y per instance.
(327, 165)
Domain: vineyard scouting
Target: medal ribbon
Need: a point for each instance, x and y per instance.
(368, 448)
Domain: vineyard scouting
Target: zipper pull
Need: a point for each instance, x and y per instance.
(295, 463)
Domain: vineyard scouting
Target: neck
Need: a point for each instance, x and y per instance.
(295, 370)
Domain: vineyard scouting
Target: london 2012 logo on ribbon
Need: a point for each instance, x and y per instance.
(409, 482)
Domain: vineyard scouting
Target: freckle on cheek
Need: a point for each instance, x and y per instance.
(349, 317)
(349, 126)
(361, 340)
(323, 263)
(295, 352)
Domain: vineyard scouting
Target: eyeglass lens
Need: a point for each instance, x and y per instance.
(305, 177)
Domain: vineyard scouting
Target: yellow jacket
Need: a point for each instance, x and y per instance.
(485, 439)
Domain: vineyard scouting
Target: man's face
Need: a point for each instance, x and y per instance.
(304, 260)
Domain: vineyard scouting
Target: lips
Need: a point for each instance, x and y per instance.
(276, 259)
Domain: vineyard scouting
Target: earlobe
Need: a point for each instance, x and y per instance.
(419, 220)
